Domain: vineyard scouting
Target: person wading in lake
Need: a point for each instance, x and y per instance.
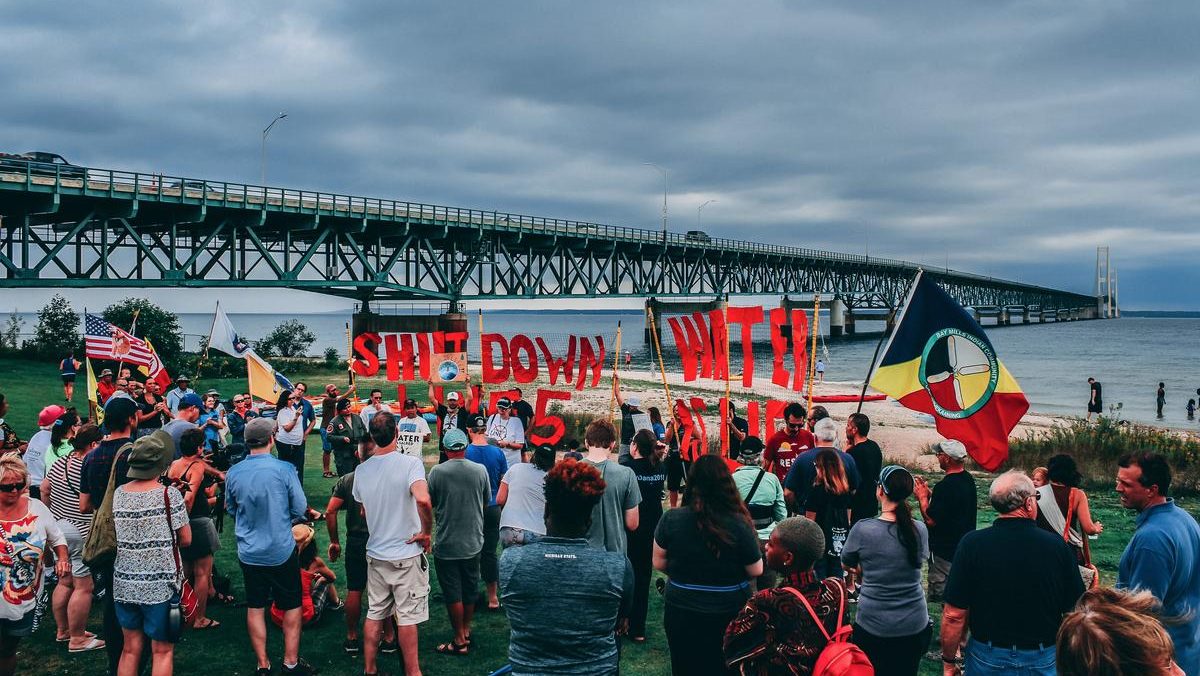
(1095, 400)
(1161, 398)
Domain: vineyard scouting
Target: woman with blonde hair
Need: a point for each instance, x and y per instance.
(829, 505)
(1113, 632)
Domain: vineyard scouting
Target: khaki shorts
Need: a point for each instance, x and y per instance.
(399, 588)
(939, 570)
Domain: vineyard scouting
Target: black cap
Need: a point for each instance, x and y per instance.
(504, 402)
(478, 422)
(343, 404)
(410, 402)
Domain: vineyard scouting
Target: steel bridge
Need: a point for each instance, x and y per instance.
(65, 226)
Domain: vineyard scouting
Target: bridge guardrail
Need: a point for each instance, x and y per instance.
(116, 183)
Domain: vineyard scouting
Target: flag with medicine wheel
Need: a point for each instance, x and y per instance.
(939, 361)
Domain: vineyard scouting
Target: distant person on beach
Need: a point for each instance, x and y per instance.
(820, 370)
(1191, 409)
(1163, 557)
(1095, 399)
(1160, 398)
(69, 367)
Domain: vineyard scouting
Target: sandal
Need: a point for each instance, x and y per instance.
(212, 624)
(87, 634)
(92, 644)
(223, 599)
(329, 475)
(453, 648)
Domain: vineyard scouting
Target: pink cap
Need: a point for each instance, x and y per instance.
(49, 414)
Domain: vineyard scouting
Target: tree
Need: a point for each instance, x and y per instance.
(57, 331)
(10, 337)
(290, 339)
(153, 322)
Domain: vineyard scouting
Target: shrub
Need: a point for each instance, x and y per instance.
(332, 358)
(10, 336)
(1096, 448)
(57, 331)
(289, 339)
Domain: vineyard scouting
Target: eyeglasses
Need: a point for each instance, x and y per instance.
(795, 426)
(12, 488)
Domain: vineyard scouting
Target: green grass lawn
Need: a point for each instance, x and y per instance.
(226, 650)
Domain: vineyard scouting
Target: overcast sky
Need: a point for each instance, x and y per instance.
(1010, 137)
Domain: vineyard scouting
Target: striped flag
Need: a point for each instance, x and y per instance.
(939, 361)
(155, 370)
(102, 340)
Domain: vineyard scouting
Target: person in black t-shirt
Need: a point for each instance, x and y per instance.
(869, 459)
(1095, 399)
(152, 409)
(522, 409)
(1010, 584)
(949, 510)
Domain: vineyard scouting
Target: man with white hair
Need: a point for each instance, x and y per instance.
(633, 419)
(800, 477)
(1011, 583)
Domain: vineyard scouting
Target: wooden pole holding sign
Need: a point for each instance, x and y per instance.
(728, 376)
(612, 398)
(350, 358)
(816, 324)
(662, 368)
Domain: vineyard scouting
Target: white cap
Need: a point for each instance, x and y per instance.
(453, 396)
(633, 401)
(951, 447)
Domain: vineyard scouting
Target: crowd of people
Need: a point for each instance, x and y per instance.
(773, 554)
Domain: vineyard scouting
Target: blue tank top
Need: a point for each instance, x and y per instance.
(68, 366)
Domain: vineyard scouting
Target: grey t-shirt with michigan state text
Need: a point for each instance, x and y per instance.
(459, 490)
(608, 516)
(572, 630)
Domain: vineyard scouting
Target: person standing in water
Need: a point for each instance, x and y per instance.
(1161, 398)
(1095, 400)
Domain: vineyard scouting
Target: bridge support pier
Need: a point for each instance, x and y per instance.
(841, 320)
(655, 309)
(1003, 319)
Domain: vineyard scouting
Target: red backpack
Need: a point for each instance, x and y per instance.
(839, 656)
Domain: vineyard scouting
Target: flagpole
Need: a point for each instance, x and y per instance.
(728, 377)
(350, 359)
(816, 329)
(889, 335)
(612, 396)
(479, 404)
(661, 366)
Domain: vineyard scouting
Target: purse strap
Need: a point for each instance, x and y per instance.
(174, 540)
(812, 613)
(1072, 502)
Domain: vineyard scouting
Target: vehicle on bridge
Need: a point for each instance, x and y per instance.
(697, 236)
(41, 164)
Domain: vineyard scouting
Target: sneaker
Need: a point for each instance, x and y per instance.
(388, 647)
(352, 646)
(852, 596)
(340, 605)
(302, 668)
(263, 671)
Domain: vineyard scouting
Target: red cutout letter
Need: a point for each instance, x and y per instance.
(747, 317)
(541, 419)
(491, 374)
(366, 364)
(523, 372)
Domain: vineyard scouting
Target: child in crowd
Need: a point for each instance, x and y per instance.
(1040, 476)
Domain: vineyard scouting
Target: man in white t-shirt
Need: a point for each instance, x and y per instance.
(394, 496)
(506, 432)
(413, 431)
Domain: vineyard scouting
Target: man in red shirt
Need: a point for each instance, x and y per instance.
(786, 444)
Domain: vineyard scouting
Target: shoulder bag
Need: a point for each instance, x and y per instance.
(100, 549)
(181, 610)
(761, 515)
(1087, 572)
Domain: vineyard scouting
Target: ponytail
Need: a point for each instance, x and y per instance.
(906, 528)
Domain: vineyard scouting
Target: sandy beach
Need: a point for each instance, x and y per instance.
(903, 435)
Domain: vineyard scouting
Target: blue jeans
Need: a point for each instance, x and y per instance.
(326, 447)
(984, 658)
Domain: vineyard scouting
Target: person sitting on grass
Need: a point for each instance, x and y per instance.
(317, 591)
(562, 597)
(776, 632)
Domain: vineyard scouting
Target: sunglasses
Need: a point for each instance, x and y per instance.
(795, 426)
(12, 488)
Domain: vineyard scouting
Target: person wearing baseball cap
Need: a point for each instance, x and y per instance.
(413, 430)
(187, 412)
(182, 387)
(329, 411)
(38, 445)
(345, 432)
(505, 431)
(763, 494)
(949, 510)
(460, 491)
(265, 498)
(450, 416)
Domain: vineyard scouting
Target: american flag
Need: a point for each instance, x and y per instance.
(105, 341)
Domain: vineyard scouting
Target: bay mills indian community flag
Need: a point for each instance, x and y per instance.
(939, 361)
(265, 382)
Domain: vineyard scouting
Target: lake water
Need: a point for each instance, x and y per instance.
(1050, 361)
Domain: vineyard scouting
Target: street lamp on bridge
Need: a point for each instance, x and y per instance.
(664, 173)
(263, 163)
(701, 208)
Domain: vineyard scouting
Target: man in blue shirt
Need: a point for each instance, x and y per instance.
(1162, 555)
(496, 464)
(265, 498)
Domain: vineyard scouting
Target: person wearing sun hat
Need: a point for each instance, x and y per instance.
(775, 633)
(182, 387)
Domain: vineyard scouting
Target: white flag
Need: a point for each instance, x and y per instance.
(224, 338)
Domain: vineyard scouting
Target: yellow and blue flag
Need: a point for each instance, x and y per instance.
(939, 361)
(265, 382)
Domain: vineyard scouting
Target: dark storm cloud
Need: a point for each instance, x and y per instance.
(1013, 136)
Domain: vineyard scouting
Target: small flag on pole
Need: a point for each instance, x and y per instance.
(102, 340)
(939, 361)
